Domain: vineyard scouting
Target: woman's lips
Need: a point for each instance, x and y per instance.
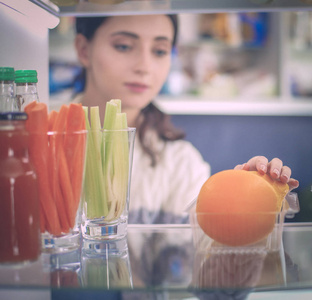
(136, 87)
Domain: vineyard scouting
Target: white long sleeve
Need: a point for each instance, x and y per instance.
(160, 194)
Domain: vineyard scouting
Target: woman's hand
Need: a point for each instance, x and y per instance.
(274, 168)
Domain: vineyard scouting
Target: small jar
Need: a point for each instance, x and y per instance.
(19, 213)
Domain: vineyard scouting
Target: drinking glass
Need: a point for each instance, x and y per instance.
(60, 166)
(106, 194)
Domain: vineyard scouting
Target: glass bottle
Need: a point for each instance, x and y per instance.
(6, 89)
(19, 213)
(26, 88)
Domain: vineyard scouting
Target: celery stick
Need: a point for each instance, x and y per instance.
(111, 110)
(90, 191)
(120, 162)
(101, 202)
(108, 148)
(118, 103)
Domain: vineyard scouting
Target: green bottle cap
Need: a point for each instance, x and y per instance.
(26, 76)
(7, 74)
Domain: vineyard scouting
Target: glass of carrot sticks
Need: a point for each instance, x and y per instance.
(58, 147)
(105, 199)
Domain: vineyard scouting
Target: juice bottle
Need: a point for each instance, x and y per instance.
(19, 213)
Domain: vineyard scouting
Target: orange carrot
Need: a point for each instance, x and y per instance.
(66, 204)
(74, 146)
(37, 126)
(67, 189)
(51, 119)
(30, 105)
(54, 164)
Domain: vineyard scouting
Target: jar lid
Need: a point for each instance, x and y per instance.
(25, 76)
(14, 116)
(7, 74)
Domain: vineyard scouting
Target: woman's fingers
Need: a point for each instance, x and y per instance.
(261, 164)
(275, 169)
(293, 184)
(245, 167)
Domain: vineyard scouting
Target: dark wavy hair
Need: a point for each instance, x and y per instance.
(150, 117)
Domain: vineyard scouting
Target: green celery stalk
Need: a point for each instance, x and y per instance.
(101, 202)
(94, 190)
(107, 167)
(121, 164)
(116, 163)
(90, 190)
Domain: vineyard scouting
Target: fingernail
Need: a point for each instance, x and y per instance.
(263, 168)
(276, 172)
(286, 177)
(296, 183)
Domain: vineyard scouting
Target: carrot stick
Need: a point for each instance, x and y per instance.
(74, 146)
(67, 189)
(54, 163)
(31, 105)
(66, 205)
(37, 126)
(51, 119)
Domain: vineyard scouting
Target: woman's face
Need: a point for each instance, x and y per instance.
(129, 58)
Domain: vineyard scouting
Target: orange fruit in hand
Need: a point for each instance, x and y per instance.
(237, 207)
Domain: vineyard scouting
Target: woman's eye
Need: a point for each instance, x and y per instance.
(122, 47)
(160, 52)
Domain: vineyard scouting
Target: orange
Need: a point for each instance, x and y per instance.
(237, 208)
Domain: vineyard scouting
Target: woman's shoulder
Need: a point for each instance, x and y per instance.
(182, 149)
(181, 159)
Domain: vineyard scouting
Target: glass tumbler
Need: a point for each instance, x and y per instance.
(59, 160)
(105, 200)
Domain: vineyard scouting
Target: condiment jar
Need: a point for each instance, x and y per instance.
(19, 212)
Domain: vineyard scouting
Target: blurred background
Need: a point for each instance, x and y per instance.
(240, 85)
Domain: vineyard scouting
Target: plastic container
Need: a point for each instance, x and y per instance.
(271, 242)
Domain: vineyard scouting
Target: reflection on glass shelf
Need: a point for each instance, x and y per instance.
(160, 260)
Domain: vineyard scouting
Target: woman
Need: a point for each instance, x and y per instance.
(128, 57)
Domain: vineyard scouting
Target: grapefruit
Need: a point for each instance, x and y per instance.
(237, 207)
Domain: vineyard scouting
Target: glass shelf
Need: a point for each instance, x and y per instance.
(161, 261)
(126, 7)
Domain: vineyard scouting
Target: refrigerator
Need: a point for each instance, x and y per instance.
(24, 43)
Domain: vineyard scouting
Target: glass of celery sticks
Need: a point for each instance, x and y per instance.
(105, 264)
(105, 199)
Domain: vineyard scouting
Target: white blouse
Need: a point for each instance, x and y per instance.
(161, 194)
